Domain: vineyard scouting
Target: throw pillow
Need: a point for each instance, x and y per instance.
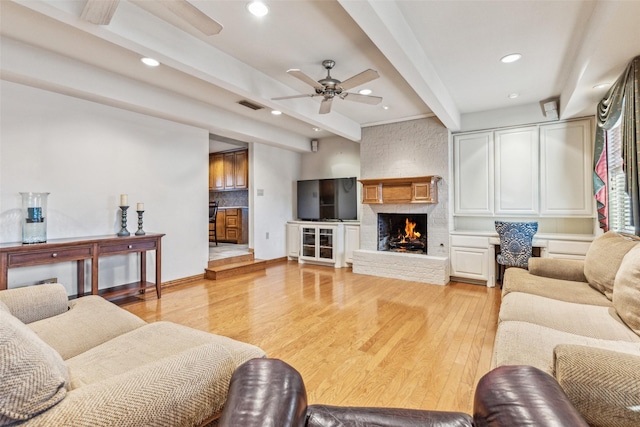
(33, 375)
(603, 260)
(626, 291)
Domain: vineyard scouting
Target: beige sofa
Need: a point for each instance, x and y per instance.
(579, 321)
(88, 362)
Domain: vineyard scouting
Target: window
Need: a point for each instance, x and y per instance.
(619, 200)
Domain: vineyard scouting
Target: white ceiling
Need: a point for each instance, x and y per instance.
(433, 57)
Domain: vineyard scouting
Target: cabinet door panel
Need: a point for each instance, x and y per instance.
(217, 169)
(473, 170)
(229, 170)
(470, 263)
(566, 169)
(516, 163)
(241, 163)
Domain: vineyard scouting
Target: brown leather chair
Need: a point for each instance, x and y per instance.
(268, 392)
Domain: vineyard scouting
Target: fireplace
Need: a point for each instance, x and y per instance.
(402, 233)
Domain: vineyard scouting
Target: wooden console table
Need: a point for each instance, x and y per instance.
(80, 249)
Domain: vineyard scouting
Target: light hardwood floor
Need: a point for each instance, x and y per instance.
(357, 340)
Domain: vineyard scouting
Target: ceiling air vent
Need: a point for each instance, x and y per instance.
(250, 105)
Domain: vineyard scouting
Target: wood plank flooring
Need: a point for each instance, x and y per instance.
(357, 340)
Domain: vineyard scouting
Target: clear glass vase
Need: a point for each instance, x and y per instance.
(34, 211)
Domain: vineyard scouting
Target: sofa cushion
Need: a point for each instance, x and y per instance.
(626, 291)
(603, 260)
(32, 303)
(603, 385)
(148, 344)
(558, 268)
(581, 319)
(32, 374)
(523, 343)
(519, 280)
(90, 321)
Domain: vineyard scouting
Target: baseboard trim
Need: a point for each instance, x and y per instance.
(276, 260)
(182, 281)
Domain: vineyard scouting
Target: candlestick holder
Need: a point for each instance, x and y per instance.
(123, 231)
(140, 231)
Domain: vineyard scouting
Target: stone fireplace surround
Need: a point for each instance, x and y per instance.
(405, 149)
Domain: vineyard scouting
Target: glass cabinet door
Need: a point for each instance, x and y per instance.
(309, 242)
(326, 243)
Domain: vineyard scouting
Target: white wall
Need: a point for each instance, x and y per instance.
(406, 149)
(86, 155)
(273, 173)
(336, 158)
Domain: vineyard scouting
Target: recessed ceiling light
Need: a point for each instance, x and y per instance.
(150, 62)
(316, 129)
(385, 107)
(602, 85)
(513, 95)
(365, 91)
(512, 57)
(276, 112)
(258, 8)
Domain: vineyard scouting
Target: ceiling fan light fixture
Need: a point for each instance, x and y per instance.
(512, 57)
(365, 91)
(150, 62)
(257, 8)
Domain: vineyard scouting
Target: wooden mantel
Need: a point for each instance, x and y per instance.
(418, 189)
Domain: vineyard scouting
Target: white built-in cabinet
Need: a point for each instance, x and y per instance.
(293, 240)
(470, 257)
(351, 241)
(565, 165)
(473, 169)
(330, 243)
(516, 171)
(527, 171)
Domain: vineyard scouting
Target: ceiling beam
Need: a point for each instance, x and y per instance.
(385, 25)
(99, 12)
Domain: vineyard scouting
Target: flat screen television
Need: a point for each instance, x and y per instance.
(328, 199)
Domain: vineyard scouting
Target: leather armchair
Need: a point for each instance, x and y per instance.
(268, 392)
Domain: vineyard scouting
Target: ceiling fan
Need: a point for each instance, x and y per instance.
(329, 87)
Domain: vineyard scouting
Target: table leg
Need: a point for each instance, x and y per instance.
(158, 267)
(80, 277)
(3, 271)
(143, 272)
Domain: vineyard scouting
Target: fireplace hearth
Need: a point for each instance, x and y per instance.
(402, 233)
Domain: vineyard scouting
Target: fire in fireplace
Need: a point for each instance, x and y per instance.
(402, 233)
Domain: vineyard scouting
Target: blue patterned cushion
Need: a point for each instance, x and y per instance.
(516, 239)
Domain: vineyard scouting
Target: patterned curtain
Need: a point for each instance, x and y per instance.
(622, 99)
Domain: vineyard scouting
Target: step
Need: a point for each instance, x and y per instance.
(233, 259)
(234, 269)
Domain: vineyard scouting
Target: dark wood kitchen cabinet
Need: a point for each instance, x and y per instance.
(232, 225)
(229, 170)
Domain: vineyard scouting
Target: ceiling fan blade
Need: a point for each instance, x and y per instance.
(358, 79)
(295, 96)
(308, 80)
(365, 99)
(99, 12)
(325, 105)
(182, 14)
